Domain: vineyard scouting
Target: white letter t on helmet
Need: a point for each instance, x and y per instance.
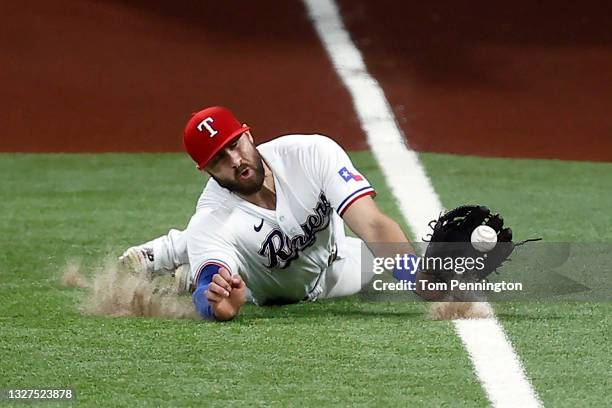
(206, 123)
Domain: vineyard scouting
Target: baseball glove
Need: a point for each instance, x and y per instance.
(451, 239)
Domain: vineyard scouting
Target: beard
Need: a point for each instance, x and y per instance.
(249, 186)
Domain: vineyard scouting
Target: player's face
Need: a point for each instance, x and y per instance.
(238, 166)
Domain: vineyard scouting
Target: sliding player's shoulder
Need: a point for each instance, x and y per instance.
(298, 153)
(298, 143)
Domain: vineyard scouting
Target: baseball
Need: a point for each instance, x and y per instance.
(484, 238)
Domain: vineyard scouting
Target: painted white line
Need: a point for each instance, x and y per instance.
(496, 364)
(494, 359)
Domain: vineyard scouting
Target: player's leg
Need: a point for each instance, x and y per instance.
(163, 255)
(345, 276)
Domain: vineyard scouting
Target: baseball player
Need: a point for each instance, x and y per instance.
(271, 219)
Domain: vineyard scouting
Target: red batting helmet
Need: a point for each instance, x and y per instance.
(208, 131)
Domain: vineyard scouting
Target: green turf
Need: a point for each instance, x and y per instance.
(344, 352)
(565, 347)
(558, 200)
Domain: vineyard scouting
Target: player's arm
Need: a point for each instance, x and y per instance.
(350, 194)
(219, 295)
(366, 220)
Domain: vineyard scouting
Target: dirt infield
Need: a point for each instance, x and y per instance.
(495, 79)
(124, 76)
(108, 75)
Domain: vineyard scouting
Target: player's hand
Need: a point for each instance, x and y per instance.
(226, 294)
(220, 287)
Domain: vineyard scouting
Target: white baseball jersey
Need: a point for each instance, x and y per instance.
(280, 253)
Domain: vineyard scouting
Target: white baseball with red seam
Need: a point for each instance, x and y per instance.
(484, 238)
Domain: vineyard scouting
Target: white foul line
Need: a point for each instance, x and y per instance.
(495, 362)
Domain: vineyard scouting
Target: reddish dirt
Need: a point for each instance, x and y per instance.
(97, 76)
(515, 79)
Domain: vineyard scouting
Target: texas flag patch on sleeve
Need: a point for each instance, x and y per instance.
(348, 176)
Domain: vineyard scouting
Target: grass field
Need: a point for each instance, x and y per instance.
(60, 207)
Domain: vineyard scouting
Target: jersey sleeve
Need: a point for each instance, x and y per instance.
(208, 244)
(340, 181)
